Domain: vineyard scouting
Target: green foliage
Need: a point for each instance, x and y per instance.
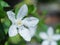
(2, 34)
(57, 28)
(32, 9)
(4, 4)
(2, 13)
(15, 40)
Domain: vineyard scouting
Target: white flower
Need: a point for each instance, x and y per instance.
(49, 38)
(21, 25)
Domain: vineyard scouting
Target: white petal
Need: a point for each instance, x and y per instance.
(32, 30)
(12, 31)
(53, 43)
(43, 35)
(45, 42)
(24, 32)
(11, 15)
(30, 21)
(50, 31)
(22, 11)
(56, 37)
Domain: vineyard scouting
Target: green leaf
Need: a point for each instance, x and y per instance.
(57, 31)
(59, 42)
(2, 14)
(15, 40)
(57, 28)
(6, 43)
(6, 24)
(1, 8)
(1, 0)
(2, 33)
(4, 4)
(31, 9)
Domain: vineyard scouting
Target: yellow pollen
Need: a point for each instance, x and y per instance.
(19, 23)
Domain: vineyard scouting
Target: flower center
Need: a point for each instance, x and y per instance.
(50, 38)
(18, 23)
